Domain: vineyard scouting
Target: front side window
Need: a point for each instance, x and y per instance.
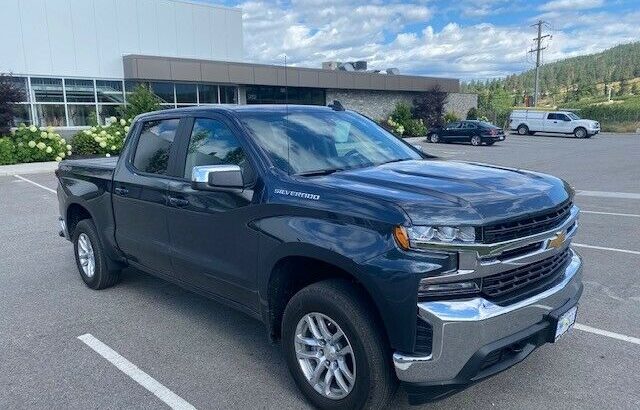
(212, 143)
(154, 146)
(303, 142)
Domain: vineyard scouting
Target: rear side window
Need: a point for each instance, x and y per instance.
(552, 116)
(154, 146)
(212, 143)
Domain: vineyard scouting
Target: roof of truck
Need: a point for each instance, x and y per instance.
(250, 108)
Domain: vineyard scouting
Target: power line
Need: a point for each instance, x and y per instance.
(538, 50)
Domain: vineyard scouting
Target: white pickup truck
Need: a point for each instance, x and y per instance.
(556, 122)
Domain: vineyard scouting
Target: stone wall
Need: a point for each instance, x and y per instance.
(379, 104)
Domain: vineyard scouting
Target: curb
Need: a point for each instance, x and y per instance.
(30, 168)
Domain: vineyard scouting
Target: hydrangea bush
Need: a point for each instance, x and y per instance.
(7, 151)
(35, 144)
(102, 139)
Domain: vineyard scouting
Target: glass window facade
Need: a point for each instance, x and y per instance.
(264, 94)
(80, 102)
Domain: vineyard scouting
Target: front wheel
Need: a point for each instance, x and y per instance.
(476, 140)
(434, 138)
(580, 132)
(335, 348)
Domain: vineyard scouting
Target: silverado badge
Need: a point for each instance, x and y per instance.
(557, 240)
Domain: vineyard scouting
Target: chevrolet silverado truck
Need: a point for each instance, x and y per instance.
(372, 264)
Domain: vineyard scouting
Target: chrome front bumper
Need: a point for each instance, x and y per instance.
(463, 327)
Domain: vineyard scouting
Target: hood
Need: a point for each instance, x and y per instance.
(451, 192)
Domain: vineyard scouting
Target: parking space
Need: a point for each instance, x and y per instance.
(210, 356)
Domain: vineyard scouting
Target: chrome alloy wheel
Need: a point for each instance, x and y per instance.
(86, 256)
(325, 356)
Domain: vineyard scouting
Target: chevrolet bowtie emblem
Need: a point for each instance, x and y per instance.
(557, 240)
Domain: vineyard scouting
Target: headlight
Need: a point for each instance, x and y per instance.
(415, 235)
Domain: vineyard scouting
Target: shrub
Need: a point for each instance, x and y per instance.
(34, 144)
(102, 140)
(416, 128)
(403, 123)
(7, 151)
(451, 117)
(472, 114)
(396, 128)
(141, 100)
(430, 107)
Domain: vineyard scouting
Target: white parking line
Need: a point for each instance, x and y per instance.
(618, 336)
(582, 211)
(606, 194)
(35, 183)
(167, 396)
(602, 248)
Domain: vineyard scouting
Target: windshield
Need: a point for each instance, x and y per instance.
(323, 142)
(573, 116)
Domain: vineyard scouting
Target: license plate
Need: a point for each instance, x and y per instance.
(565, 321)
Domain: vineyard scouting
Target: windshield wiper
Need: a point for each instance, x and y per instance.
(319, 172)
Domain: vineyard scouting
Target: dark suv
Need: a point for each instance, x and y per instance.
(369, 262)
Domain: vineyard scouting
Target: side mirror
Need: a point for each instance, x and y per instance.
(217, 178)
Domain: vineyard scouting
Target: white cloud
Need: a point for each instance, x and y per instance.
(403, 35)
(558, 5)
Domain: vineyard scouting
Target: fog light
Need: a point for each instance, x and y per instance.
(447, 289)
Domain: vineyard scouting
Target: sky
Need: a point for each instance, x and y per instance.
(467, 39)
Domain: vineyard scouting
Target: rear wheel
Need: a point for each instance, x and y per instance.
(523, 129)
(476, 140)
(580, 132)
(434, 138)
(95, 269)
(335, 349)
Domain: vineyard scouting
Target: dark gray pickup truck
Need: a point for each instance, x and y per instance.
(371, 262)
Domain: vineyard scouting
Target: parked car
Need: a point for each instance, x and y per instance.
(473, 131)
(370, 262)
(554, 122)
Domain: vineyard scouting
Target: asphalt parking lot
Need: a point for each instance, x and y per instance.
(210, 356)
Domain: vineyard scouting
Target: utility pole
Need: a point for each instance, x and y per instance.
(537, 50)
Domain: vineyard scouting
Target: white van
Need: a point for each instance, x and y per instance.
(557, 122)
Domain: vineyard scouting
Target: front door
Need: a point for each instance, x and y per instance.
(451, 132)
(214, 248)
(140, 196)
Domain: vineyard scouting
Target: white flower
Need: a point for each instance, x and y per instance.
(61, 155)
(87, 132)
(126, 129)
(97, 139)
(118, 133)
(103, 144)
(20, 144)
(113, 148)
(123, 122)
(107, 155)
(113, 119)
(33, 128)
(49, 150)
(68, 152)
(103, 132)
(129, 120)
(50, 128)
(43, 134)
(63, 141)
(68, 147)
(93, 129)
(41, 145)
(32, 143)
(58, 159)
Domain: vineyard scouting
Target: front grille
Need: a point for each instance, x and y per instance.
(530, 225)
(519, 283)
(424, 337)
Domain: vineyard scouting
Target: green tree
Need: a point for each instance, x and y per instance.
(624, 87)
(472, 114)
(9, 95)
(141, 100)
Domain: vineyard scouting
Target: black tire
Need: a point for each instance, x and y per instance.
(476, 140)
(581, 132)
(375, 380)
(434, 138)
(105, 272)
(523, 129)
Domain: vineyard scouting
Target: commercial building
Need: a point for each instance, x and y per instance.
(77, 60)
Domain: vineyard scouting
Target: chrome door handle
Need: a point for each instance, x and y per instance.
(121, 191)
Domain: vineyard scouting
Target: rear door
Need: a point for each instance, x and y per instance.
(140, 187)
(467, 130)
(214, 247)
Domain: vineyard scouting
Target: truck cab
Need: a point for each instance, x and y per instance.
(528, 122)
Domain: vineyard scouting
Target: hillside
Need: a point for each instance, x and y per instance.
(581, 82)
